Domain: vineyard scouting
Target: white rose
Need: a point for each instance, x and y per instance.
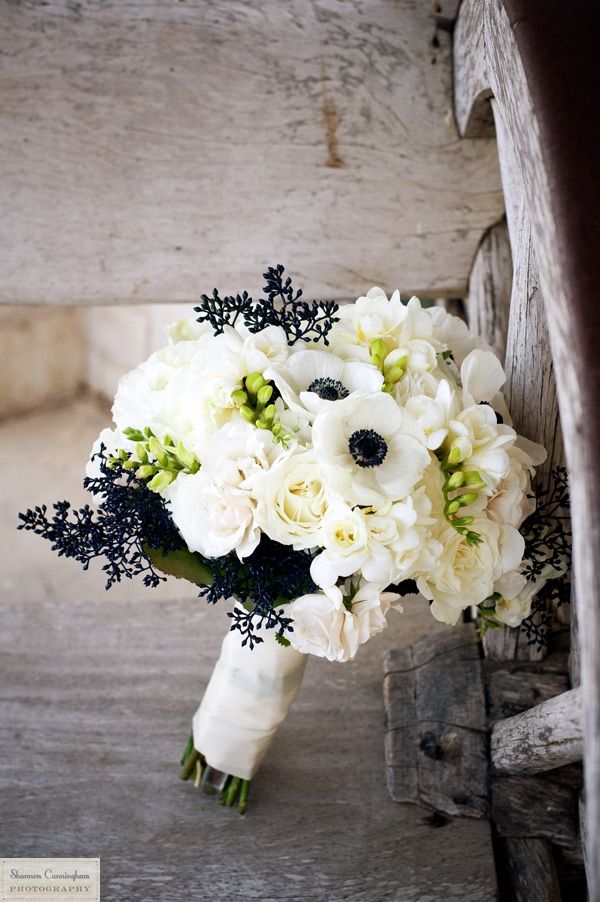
(325, 626)
(213, 518)
(292, 499)
(465, 574)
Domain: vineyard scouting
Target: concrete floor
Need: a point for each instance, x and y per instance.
(97, 692)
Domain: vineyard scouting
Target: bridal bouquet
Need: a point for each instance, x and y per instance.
(311, 464)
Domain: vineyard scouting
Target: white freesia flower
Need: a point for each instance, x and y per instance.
(465, 574)
(312, 379)
(323, 625)
(434, 414)
(482, 443)
(373, 450)
(292, 499)
(482, 375)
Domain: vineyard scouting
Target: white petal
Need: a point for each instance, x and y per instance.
(482, 375)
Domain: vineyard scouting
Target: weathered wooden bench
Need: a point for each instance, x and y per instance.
(149, 156)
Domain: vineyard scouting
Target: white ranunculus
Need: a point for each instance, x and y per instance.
(373, 450)
(313, 379)
(465, 574)
(292, 499)
(324, 626)
(481, 375)
(213, 518)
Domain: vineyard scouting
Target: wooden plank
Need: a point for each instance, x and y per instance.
(532, 871)
(435, 741)
(511, 691)
(488, 300)
(541, 805)
(546, 736)
(151, 152)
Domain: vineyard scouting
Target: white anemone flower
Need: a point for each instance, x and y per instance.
(312, 380)
(373, 450)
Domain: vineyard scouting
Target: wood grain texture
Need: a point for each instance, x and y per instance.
(546, 736)
(532, 871)
(541, 805)
(487, 62)
(152, 150)
(490, 282)
(436, 744)
(95, 708)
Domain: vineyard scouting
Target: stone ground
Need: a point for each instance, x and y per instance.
(97, 693)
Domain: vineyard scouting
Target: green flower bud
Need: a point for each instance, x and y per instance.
(133, 435)
(455, 456)
(254, 382)
(168, 441)
(122, 454)
(467, 498)
(239, 397)
(141, 453)
(264, 394)
(247, 413)
(161, 480)
(146, 471)
(269, 412)
(474, 480)
(276, 429)
(184, 456)
(130, 464)
(455, 481)
(261, 424)
(451, 507)
(148, 432)
(157, 450)
(394, 373)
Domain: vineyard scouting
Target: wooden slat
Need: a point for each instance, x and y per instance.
(546, 736)
(532, 871)
(435, 741)
(152, 151)
(488, 300)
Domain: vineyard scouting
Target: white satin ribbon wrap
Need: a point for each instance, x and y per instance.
(248, 696)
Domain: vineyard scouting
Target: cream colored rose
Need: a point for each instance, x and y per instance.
(465, 574)
(292, 499)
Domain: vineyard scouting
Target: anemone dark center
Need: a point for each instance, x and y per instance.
(328, 389)
(367, 447)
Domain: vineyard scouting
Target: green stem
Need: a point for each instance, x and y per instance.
(245, 791)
